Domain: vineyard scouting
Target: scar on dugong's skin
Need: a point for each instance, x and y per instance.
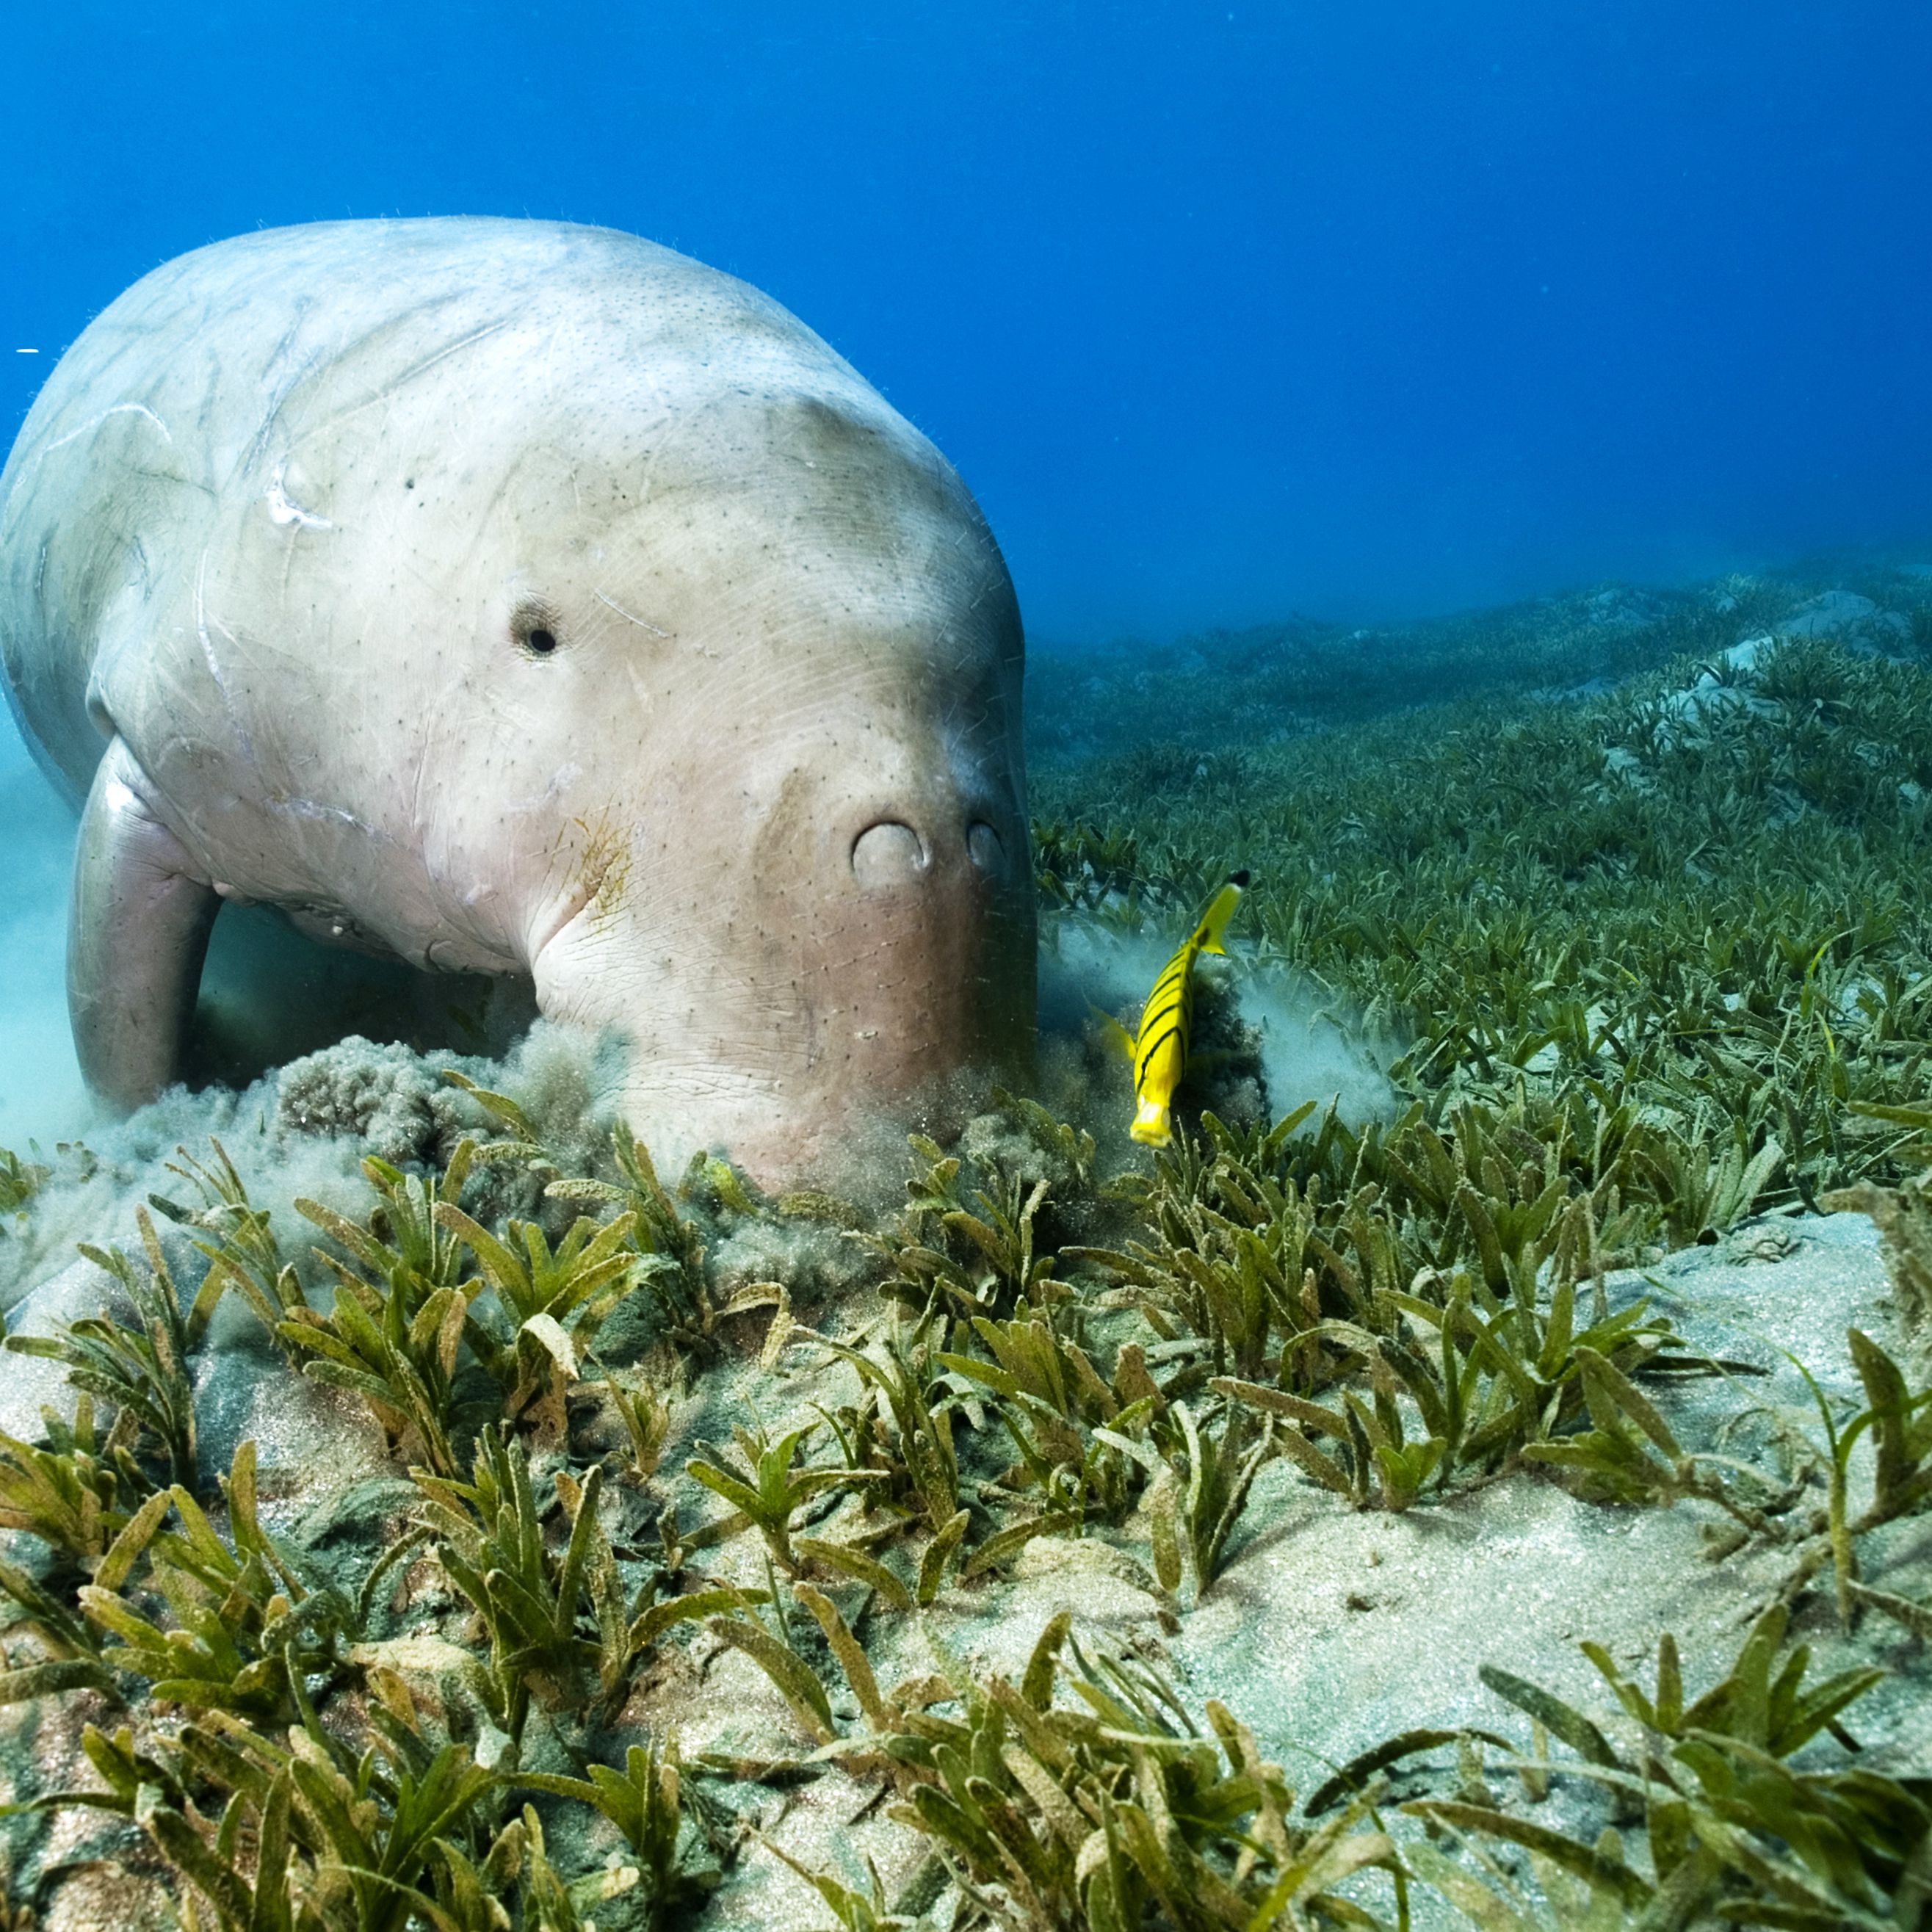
(522, 599)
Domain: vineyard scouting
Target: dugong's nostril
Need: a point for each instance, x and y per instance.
(886, 854)
(983, 844)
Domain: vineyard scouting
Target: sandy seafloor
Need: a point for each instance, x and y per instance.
(1331, 1630)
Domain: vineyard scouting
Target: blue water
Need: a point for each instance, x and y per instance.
(1360, 308)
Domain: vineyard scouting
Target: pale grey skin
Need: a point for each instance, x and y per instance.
(274, 544)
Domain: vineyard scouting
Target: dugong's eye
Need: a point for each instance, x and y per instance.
(534, 629)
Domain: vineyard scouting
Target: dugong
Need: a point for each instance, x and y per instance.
(520, 598)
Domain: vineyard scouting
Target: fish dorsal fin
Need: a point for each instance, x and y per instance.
(1208, 934)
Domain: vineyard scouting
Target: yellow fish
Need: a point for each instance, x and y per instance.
(1160, 1051)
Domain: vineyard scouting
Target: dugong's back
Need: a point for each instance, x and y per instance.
(221, 377)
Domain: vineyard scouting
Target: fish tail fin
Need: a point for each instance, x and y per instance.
(1151, 1126)
(1220, 909)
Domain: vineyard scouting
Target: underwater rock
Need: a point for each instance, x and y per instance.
(633, 647)
(1622, 765)
(1855, 622)
(1717, 692)
(1750, 680)
(1622, 609)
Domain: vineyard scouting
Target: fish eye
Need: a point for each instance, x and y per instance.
(533, 628)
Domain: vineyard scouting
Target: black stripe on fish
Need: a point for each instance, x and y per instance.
(1153, 1047)
(1158, 1009)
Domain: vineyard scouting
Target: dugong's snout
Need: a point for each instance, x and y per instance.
(937, 923)
(849, 953)
(911, 961)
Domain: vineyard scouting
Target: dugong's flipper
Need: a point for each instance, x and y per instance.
(137, 932)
